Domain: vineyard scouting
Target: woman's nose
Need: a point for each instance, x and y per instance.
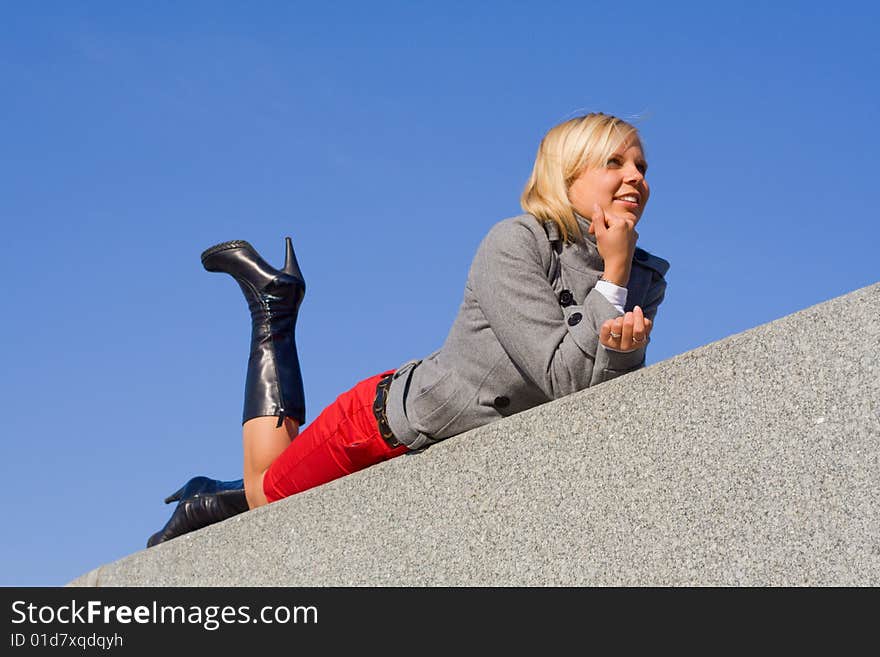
(633, 174)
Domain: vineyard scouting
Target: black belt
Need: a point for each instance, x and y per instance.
(379, 411)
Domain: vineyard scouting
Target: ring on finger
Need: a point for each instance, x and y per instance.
(614, 335)
(638, 341)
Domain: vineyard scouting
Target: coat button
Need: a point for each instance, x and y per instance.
(501, 402)
(574, 319)
(566, 298)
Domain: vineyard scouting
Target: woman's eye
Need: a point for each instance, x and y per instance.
(642, 167)
(614, 161)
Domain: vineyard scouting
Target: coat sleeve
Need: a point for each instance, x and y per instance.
(555, 348)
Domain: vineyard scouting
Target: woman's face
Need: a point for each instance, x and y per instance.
(619, 187)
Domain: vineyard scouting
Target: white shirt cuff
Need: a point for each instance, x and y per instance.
(615, 294)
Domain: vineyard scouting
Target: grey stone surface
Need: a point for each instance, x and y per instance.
(754, 460)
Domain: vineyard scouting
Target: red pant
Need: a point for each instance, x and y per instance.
(343, 439)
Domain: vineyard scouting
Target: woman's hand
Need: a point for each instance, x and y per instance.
(616, 241)
(632, 331)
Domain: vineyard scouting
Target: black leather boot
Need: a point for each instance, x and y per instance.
(201, 502)
(274, 382)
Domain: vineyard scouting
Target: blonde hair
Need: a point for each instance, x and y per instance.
(565, 151)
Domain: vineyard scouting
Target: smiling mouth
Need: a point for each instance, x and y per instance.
(629, 199)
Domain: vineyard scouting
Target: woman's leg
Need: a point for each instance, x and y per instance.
(274, 402)
(264, 441)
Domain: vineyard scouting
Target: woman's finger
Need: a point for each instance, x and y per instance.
(605, 333)
(638, 336)
(610, 333)
(648, 326)
(627, 332)
(597, 224)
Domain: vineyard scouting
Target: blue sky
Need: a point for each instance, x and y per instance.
(385, 139)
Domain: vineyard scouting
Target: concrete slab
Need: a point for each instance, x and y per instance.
(752, 461)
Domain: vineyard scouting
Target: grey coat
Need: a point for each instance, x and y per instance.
(527, 332)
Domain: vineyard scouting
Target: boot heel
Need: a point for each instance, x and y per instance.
(193, 488)
(175, 497)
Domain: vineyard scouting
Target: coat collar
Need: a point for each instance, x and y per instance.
(588, 251)
(579, 252)
(583, 223)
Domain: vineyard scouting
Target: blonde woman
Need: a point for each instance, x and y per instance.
(557, 300)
